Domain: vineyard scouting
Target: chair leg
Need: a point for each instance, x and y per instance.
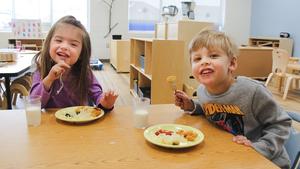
(269, 79)
(14, 98)
(287, 86)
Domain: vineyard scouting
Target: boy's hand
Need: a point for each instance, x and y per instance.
(108, 100)
(242, 140)
(183, 101)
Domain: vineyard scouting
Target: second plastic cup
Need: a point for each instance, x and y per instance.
(140, 112)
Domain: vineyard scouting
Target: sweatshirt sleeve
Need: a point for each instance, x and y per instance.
(39, 89)
(275, 123)
(95, 90)
(197, 108)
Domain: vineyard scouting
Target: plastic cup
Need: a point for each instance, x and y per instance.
(33, 110)
(140, 112)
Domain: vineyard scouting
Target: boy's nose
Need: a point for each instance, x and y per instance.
(205, 61)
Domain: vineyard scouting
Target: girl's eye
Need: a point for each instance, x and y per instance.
(57, 40)
(73, 44)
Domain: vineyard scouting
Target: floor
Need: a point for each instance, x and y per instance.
(110, 80)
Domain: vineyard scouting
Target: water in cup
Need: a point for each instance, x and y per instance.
(33, 110)
(140, 114)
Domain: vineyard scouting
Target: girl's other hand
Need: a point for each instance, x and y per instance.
(109, 98)
(240, 139)
(183, 101)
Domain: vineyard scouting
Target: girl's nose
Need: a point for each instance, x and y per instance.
(64, 46)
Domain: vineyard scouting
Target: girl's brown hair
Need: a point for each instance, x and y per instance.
(80, 69)
(213, 40)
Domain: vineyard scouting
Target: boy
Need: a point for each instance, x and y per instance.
(241, 106)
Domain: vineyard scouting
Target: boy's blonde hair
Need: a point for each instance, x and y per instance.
(213, 40)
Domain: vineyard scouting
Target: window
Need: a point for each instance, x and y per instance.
(143, 14)
(48, 11)
(5, 14)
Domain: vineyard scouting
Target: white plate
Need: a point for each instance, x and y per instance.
(79, 114)
(150, 135)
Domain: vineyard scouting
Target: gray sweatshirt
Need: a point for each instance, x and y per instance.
(248, 109)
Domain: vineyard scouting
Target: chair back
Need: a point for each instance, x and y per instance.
(292, 147)
(293, 143)
(280, 61)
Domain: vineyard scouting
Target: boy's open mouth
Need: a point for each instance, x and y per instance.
(206, 71)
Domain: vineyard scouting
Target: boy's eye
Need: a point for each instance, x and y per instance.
(196, 59)
(214, 56)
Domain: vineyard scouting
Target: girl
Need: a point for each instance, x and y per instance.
(63, 77)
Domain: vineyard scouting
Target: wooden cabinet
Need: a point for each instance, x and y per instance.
(152, 61)
(282, 43)
(254, 62)
(183, 30)
(33, 44)
(120, 55)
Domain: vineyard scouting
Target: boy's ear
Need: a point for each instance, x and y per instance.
(233, 64)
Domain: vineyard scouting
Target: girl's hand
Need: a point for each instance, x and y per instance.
(240, 139)
(183, 101)
(108, 100)
(55, 73)
(57, 70)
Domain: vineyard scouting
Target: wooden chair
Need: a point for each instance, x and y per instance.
(15, 89)
(292, 145)
(1, 92)
(280, 61)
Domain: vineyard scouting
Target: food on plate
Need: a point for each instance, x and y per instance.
(95, 112)
(84, 112)
(187, 134)
(175, 137)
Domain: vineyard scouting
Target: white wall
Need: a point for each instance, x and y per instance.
(237, 20)
(99, 14)
(4, 36)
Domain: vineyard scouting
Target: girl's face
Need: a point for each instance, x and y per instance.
(66, 44)
(213, 69)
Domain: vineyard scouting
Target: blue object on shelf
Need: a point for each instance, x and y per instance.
(142, 62)
(96, 64)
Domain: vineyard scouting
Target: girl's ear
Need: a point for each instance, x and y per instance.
(233, 64)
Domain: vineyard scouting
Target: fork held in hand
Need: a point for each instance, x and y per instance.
(61, 85)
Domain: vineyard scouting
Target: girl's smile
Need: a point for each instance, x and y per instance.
(66, 44)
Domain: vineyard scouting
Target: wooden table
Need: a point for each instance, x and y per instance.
(294, 68)
(113, 143)
(14, 69)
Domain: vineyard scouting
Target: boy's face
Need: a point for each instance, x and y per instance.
(213, 69)
(66, 44)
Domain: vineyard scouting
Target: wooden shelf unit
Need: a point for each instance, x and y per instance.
(120, 55)
(33, 44)
(282, 43)
(161, 58)
(183, 30)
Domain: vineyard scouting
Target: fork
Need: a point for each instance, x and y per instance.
(61, 85)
